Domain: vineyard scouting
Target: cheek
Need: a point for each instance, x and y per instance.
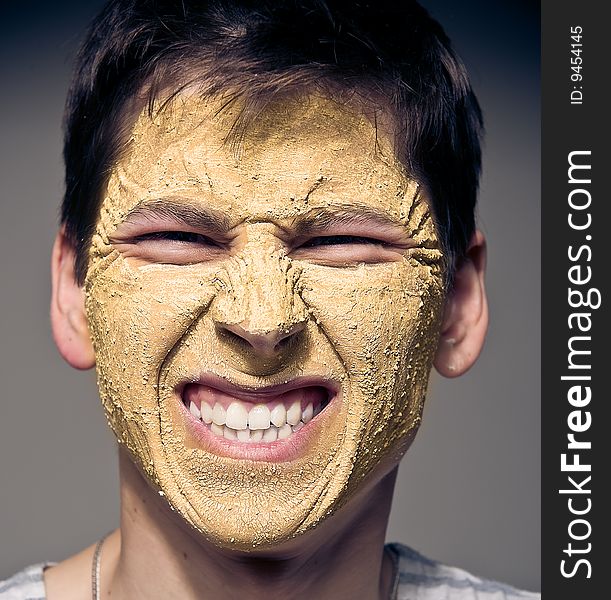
(373, 311)
(136, 318)
(383, 321)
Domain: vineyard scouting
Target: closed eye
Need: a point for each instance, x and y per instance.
(187, 237)
(349, 250)
(178, 247)
(329, 240)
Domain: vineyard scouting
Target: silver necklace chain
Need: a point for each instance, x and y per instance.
(95, 569)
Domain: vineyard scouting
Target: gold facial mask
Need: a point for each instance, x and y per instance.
(165, 312)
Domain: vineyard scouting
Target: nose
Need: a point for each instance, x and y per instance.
(258, 307)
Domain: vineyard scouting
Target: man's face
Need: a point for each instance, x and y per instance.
(264, 318)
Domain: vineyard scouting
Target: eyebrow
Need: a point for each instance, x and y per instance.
(319, 220)
(315, 221)
(182, 213)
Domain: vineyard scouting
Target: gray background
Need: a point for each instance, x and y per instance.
(468, 491)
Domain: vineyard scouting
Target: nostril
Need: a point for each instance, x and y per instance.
(283, 344)
(288, 337)
(227, 333)
(268, 342)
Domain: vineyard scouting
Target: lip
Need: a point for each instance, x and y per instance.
(284, 450)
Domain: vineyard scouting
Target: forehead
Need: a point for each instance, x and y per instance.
(295, 155)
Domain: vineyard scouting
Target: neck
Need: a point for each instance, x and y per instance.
(156, 555)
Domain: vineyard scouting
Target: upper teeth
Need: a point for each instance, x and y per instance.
(246, 422)
(236, 416)
(218, 414)
(258, 417)
(278, 415)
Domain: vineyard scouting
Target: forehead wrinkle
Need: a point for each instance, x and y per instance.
(126, 182)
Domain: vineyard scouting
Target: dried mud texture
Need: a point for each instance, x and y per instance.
(371, 327)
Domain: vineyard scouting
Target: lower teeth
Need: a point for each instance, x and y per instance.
(271, 434)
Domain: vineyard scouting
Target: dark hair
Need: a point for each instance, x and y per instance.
(389, 52)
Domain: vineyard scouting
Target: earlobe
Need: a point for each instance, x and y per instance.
(68, 320)
(466, 313)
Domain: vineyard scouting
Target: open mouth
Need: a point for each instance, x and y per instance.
(262, 416)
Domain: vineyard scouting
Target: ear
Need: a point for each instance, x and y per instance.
(68, 320)
(465, 320)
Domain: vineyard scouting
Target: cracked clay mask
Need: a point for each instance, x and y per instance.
(305, 260)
